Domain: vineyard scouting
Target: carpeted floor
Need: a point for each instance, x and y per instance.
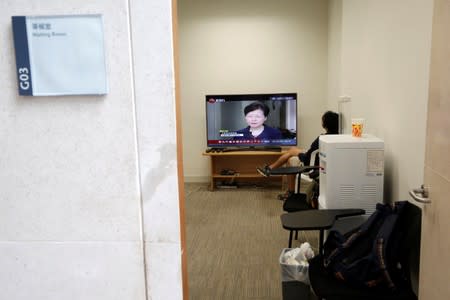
(234, 240)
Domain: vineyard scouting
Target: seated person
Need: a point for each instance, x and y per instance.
(330, 122)
(255, 115)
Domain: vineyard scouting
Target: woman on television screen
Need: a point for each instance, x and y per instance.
(255, 115)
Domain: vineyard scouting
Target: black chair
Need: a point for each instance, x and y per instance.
(297, 201)
(326, 286)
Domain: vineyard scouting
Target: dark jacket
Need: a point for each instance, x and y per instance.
(269, 133)
(306, 157)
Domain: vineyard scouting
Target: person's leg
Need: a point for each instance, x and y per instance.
(293, 161)
(265, 171)
(294, 151)
(291, 182)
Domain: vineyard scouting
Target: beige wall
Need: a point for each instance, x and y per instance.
(250, 47)
(334, 53)
(89, 204)
(381, 59)
(376, 52)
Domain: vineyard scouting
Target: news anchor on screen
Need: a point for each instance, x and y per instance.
(255, 115)
(260, 129)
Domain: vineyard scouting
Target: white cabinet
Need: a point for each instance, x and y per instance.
(352, 172)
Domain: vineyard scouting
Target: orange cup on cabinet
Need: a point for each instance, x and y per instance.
(357, 127)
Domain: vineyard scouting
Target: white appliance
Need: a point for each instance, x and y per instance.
(352, 173)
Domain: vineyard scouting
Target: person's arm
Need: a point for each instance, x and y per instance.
(306, 157)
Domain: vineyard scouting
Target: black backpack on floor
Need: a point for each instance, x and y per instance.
(369, 255)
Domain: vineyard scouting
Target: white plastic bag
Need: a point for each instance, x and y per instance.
(294, 263)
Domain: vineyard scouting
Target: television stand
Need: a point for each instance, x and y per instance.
(237, 149)
(267, 148)
(242, 164)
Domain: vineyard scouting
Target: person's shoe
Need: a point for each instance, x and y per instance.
(264, 171)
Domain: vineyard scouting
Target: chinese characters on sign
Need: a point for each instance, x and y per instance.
(60, 55)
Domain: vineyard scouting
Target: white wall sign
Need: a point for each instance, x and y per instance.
(60, 55)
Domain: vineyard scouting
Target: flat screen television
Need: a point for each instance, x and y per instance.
(251, 120)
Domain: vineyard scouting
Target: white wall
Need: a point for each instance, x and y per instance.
(334, 53)
(87, 181)
(250, 47)
(151, 22)
(380, 57)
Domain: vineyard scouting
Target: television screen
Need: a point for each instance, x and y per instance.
(251, 120)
